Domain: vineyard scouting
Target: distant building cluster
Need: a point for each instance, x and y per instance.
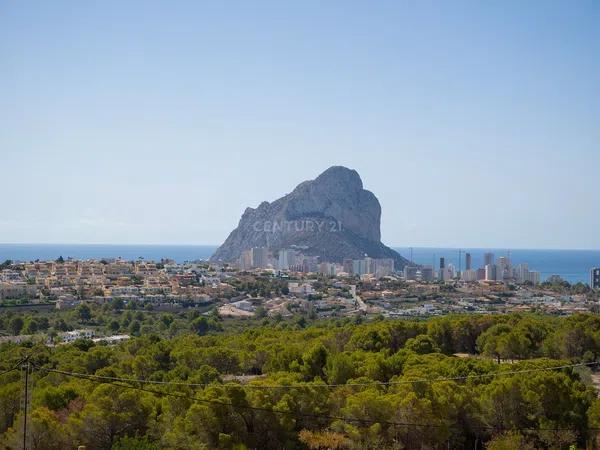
(285, 284)
(294, 260)
(500, 270)
(66, 337)
(68, 283)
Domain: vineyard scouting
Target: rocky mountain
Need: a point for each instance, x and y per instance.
(331, 216)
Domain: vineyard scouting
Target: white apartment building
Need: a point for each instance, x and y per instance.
(287, 259)
(70, 336)
(469, 275)
(300, 288)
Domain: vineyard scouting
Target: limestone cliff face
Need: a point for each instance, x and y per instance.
(331, 216)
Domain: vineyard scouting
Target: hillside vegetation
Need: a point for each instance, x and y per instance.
(327, 385)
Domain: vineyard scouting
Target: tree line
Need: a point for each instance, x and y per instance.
(496, 382)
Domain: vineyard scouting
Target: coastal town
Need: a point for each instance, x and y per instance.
(285, 285)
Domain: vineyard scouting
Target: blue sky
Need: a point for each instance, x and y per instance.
(476, 124)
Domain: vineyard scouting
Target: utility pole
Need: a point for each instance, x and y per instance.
(26, 367)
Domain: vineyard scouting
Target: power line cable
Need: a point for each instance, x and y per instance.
(331, 385)
(308, 415)
(15, 367)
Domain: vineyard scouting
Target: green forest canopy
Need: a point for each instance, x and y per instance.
(379, 398)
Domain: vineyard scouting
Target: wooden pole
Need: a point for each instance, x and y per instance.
(25, 406)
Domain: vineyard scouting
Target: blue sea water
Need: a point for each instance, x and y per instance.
(31, 252)
(572, 265)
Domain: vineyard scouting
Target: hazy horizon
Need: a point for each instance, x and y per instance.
(393, 246)
(473, 123)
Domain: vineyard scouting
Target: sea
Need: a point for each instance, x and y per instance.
(572, 265)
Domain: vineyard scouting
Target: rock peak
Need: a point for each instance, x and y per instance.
(341, 174)
(332, 216)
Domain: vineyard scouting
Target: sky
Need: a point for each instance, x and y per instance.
(476, 124)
